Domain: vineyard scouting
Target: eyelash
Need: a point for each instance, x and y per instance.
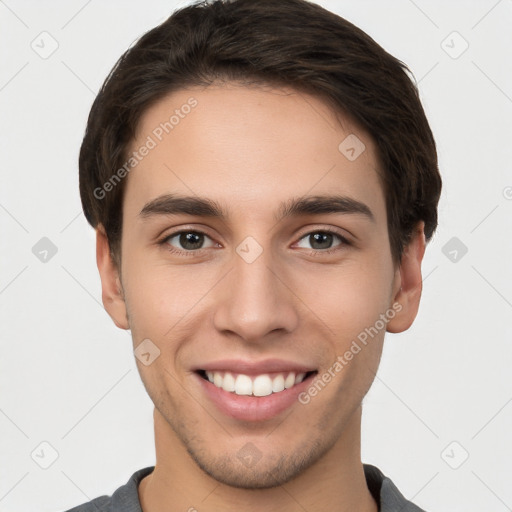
(315, 252)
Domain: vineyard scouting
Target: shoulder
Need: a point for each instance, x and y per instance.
(386, 493)
(124, 499)
(101, 504)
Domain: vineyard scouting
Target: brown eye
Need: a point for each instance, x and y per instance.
(322, 240)
(187, 241)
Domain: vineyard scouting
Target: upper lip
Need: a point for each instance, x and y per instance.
(255, 367)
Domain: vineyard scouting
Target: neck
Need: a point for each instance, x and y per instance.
(335, 482)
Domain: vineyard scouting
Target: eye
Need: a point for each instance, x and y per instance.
(322, 240)
(190, 241)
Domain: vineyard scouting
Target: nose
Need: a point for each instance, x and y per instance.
(256, 299)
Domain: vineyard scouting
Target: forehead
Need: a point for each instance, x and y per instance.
(250, 148)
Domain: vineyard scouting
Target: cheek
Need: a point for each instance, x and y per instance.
(161, 296)
(154, 307)
(348, 298)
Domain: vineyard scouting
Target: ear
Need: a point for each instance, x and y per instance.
(408, 284)
(111, 288)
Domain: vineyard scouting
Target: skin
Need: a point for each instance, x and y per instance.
(249, 148)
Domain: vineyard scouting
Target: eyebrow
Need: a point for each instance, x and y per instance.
(175, 204)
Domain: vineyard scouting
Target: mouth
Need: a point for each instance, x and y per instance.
(253, 393)
(255, 385)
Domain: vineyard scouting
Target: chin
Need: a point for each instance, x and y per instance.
(248, 468)
(262, 476)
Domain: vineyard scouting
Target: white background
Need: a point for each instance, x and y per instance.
(67, 374)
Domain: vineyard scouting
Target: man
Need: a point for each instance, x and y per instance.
(263, 181)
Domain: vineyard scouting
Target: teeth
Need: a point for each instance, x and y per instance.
(217, 379)
(278, 384)
(243, 385)
(290, 380)
(261, 385)
(228, 383)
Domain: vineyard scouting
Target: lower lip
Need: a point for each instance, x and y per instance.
(253, 408)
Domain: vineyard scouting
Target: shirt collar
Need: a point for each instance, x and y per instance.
(384, 491)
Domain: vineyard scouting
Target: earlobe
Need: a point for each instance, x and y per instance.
(111, 288)
(408, 282)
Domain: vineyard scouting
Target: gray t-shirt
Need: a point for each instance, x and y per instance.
(126, 498)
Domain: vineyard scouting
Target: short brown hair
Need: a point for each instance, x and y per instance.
(290, 43)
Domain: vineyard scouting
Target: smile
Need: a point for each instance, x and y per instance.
(256, 385)
(250, 391)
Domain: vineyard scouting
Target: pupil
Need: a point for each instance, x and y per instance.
(190, 240)
(324, 239)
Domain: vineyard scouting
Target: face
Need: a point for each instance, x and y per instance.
(252, 289)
